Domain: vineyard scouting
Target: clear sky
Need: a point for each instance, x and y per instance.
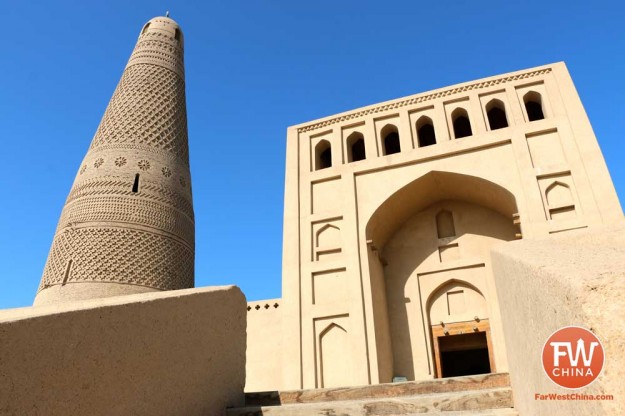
(252, 69)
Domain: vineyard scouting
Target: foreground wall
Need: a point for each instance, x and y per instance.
(179, 352)
(576, 279)
(263, 368)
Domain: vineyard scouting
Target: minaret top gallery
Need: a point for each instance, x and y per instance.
(128, 224)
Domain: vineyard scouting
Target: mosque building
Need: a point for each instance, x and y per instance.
(428, 242)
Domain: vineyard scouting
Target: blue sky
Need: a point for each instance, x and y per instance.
(253, 68)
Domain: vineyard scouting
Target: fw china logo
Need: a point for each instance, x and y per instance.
(573, 357)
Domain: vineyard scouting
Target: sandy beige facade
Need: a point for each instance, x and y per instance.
(391, 212)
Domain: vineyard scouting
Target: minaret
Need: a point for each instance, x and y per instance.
(128, 225)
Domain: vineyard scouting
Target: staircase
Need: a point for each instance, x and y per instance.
(483, 395)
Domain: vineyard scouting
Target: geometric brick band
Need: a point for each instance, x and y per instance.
(119, 255)
(420, 99)
(129, 210)
(113, 185)
(158, 49)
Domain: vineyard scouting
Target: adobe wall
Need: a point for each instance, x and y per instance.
(545, 175)
(543, 285)
(176, 352)
(263, 368)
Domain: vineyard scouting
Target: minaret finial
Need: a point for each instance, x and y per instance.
(167, 13)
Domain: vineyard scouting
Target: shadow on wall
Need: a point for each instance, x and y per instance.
(430, 188)
(418, 217)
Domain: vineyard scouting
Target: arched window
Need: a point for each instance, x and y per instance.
(496, 112)
(390, 141)
(356, 147)
(323, 155)
(534, 106)
(177, 34)
(462, 125)
(425, 132)
(145, 28)
(445, 224)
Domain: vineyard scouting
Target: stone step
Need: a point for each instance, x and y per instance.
(504, 411)
(488, 412)
(465, 401)
(410, 388)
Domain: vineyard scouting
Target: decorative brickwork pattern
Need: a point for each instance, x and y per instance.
(147, 109)
(114, 185)
(422, 98)
(118, 209)
(119, 255)
(159, 49)
(124, 221)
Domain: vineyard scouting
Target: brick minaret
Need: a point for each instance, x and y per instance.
(128, 225)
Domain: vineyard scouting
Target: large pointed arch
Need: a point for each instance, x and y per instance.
(432, 187)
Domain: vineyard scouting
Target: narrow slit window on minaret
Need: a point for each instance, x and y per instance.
(177, 35)
(135, 186)
(67, 271)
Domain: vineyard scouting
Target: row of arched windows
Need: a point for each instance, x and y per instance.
(426, 135)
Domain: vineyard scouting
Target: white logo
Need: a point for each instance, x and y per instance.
(581, 350)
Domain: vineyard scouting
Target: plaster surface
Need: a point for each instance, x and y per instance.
(390, 212)
(166, 353)
(263, 367)
(577, 279)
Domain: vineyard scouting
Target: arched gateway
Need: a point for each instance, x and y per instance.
(432, 240)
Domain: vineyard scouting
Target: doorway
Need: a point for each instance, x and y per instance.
(463, 349)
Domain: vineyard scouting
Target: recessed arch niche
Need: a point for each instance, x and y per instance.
(405, 233)
(334, 359)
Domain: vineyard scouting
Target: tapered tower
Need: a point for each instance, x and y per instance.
(128, 225)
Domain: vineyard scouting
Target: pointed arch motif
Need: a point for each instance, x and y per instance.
(328, 237)
(560, 202)
(425, 131)
(455, 300)
(461, 123)
(323, 155)
(355, 147)
(558, 194)
(334, 356)
(534, 106)
(390, 140)
(496, 114)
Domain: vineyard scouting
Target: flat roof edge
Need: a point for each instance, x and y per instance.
(422, 97)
